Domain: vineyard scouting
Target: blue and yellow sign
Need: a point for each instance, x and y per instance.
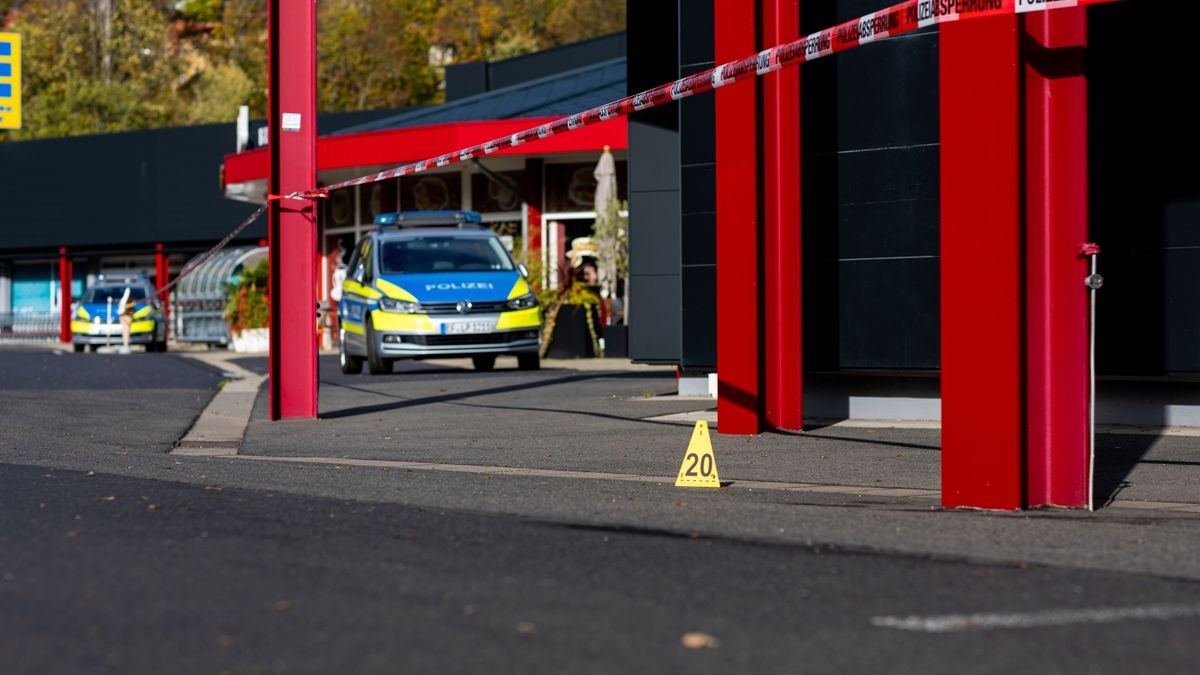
(10, 81)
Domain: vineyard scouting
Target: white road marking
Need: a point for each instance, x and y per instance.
(950, 623)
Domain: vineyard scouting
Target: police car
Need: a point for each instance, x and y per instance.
(429, 284)
(97, 318)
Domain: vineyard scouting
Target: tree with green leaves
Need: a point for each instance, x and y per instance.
(98, 66)
(374, 54)
(94, 66)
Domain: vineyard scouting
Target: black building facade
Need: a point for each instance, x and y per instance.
(870, 196)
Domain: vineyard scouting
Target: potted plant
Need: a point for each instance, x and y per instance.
(248, 310)
(572, 317)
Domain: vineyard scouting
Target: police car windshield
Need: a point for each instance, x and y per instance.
(443, 253)
(105, 293)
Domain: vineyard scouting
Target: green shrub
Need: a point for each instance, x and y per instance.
(249, 304)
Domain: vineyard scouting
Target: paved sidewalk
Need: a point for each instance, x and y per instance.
(610, 417)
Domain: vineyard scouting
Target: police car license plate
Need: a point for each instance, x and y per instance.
(460, 327)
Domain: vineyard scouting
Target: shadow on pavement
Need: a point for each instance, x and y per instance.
(406, 402)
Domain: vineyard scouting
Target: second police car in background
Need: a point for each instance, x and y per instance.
(429, 284)
(97, 318)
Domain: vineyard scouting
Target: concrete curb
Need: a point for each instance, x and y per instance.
(219, 430)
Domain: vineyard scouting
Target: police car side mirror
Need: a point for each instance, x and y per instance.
(523, 269)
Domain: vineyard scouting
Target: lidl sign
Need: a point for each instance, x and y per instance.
(10, 81)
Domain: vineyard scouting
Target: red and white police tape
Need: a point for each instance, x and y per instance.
(199, 260)
(898, 19)
(901, 18)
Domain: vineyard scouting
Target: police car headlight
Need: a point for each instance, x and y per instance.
(524, 302)
(399, 306)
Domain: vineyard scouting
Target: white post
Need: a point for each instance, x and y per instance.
(243, 128)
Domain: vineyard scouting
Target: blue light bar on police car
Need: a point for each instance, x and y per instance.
(429, 218)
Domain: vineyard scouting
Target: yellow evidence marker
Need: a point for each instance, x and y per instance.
(699, 468)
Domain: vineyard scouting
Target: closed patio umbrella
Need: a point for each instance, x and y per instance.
(606, 223)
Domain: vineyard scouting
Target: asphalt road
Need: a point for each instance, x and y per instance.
(116, 557)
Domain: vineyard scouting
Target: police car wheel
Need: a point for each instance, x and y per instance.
(529, 361)
(376, 364)
(79, 348)
(351, 365)
(484, 362)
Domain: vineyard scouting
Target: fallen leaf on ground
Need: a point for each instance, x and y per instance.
(109, 498)
(526, 628)
(699, 641)
(283, 606)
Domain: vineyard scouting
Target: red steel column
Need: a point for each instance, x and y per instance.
(162, 276)
(982, 311)
(1057, 224)
(64, 294)
(292, 122)
(738, 392)
(781, 226)
(533, 205)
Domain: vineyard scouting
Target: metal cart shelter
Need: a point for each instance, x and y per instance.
(201, 296)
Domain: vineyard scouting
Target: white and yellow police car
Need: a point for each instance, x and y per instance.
(97, 318)
(431, 284)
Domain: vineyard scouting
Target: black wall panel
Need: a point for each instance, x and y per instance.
(697, 192)
(869, 133)
(877, 295)
(654, 217)
(699, 344)
(658, 238)
(128, 189)
(871, 185)
(119, 189)
(1145, 188)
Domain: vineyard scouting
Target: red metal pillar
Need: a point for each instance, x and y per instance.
(1057, 212)
(162, 277)
(738, 336)
(64, 294)
(533, 205)
(781, 226)
(292, 124)
(982, 312)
